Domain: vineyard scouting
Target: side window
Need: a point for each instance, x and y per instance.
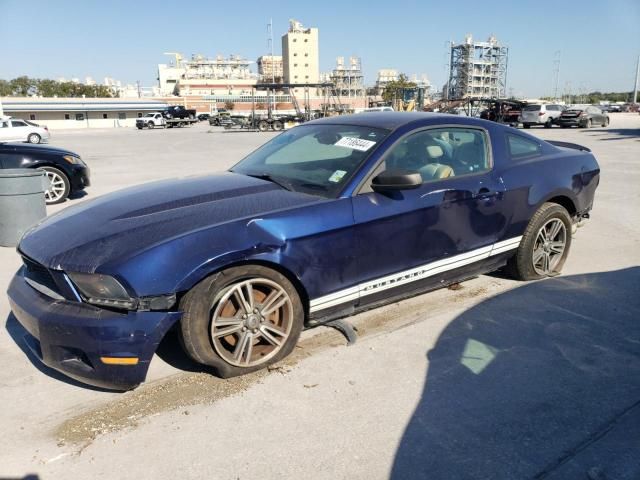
(441, 153)
(520, 147)
(79, 116)
(4, 124)
(18, 123)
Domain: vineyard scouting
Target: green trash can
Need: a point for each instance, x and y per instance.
(22, 202)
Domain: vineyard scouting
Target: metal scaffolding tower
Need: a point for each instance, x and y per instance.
(478, 69)
(348, 80)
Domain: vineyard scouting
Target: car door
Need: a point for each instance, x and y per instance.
(414, 239)
(19, 130)
(5, 131)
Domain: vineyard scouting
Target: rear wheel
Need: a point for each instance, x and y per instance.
(241, 320)
(526, 125)
(33, 138)
(59, 188)
(548, 123)
(277, 125)
(544, 246)
(606, 122)
(263, 126)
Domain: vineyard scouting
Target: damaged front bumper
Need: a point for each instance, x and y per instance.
(86, 342)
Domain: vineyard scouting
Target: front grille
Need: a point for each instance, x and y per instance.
(40, 275)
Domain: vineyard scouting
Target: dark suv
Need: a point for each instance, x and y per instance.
(585, 116)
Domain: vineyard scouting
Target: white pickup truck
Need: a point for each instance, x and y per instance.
(157, 119)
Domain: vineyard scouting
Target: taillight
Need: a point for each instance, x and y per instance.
(582, 114)
(540, 114)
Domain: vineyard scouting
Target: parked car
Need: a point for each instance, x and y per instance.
(18, 130)
(66, 171)
(542, 114)
(203, 116)
(332, 217)
(584, 116)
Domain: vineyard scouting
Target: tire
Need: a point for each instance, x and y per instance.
(588, 124)
(263, 126)
(526, 125)
(60, 186)
(214, 306)
(606, 122)
(528, 262)
(34, 138)
(548, 123)
(278, 125)
(151, 125)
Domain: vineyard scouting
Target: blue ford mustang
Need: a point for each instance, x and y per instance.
(332, 217)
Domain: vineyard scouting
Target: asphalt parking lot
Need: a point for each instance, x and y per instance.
(497, 379)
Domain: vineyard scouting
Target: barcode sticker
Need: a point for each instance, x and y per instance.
(355, 143)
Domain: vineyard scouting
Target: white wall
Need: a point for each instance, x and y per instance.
(57, 121)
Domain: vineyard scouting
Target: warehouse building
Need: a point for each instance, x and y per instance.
(68, 113)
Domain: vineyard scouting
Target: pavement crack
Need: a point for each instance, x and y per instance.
(587, 442)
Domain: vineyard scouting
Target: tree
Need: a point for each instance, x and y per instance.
(395, 89)
(229, 105)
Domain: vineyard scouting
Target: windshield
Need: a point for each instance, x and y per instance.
(150, 115)
(317, 159)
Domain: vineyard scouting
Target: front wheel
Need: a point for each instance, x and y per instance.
(606, 122)
(59, 186)
(544, 246)
(240, 320)
(278, 125)
(150, 125)
(34, 138)
(548, 123)
(263, 126)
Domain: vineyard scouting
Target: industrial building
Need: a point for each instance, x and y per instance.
(206, 76)
(478, 69)
(300, 54)
(270, 69)
(385, 76)
(348, 79)
(68, 113)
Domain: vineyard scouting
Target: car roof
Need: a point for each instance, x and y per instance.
(393, 120)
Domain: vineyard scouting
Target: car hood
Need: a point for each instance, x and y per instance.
(31, 148)
(120, 225)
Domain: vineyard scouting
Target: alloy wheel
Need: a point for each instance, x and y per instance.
(251, 322)
(57, 189)
(549, 246)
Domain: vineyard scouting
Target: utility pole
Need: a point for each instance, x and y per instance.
(556, 73)
(635, 85)
(138, 84)
(270, 42)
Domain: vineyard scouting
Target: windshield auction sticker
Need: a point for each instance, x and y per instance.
(337, 176)
(355, 143)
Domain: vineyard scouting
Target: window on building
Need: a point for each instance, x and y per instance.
(295, 54)
(294, 40)
(79, 116)
(139, 114)
(306, 64)
(67, 116)
(295, 64)
(32, 116)
(306, 40)
(306, 54)
(104, 115)
(306, 76)
(122, 116)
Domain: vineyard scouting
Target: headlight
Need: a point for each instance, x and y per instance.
(73, 160)
(102, 290)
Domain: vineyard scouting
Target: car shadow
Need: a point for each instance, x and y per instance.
(77, 195)
(18, 333)
(542, 381)
(620, 133)
(171, 352)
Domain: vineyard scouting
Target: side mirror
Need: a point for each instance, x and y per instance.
(394, 180)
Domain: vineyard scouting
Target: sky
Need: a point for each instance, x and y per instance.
(598, 41)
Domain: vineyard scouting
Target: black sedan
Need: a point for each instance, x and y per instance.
(65, 170)
(585, 116)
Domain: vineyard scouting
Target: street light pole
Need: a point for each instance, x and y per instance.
(635, 85)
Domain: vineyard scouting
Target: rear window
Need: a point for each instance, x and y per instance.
(520, 147)
(532, 108)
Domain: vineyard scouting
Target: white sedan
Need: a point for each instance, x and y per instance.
(17, 130)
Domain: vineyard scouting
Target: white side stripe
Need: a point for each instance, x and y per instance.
(412, 275)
